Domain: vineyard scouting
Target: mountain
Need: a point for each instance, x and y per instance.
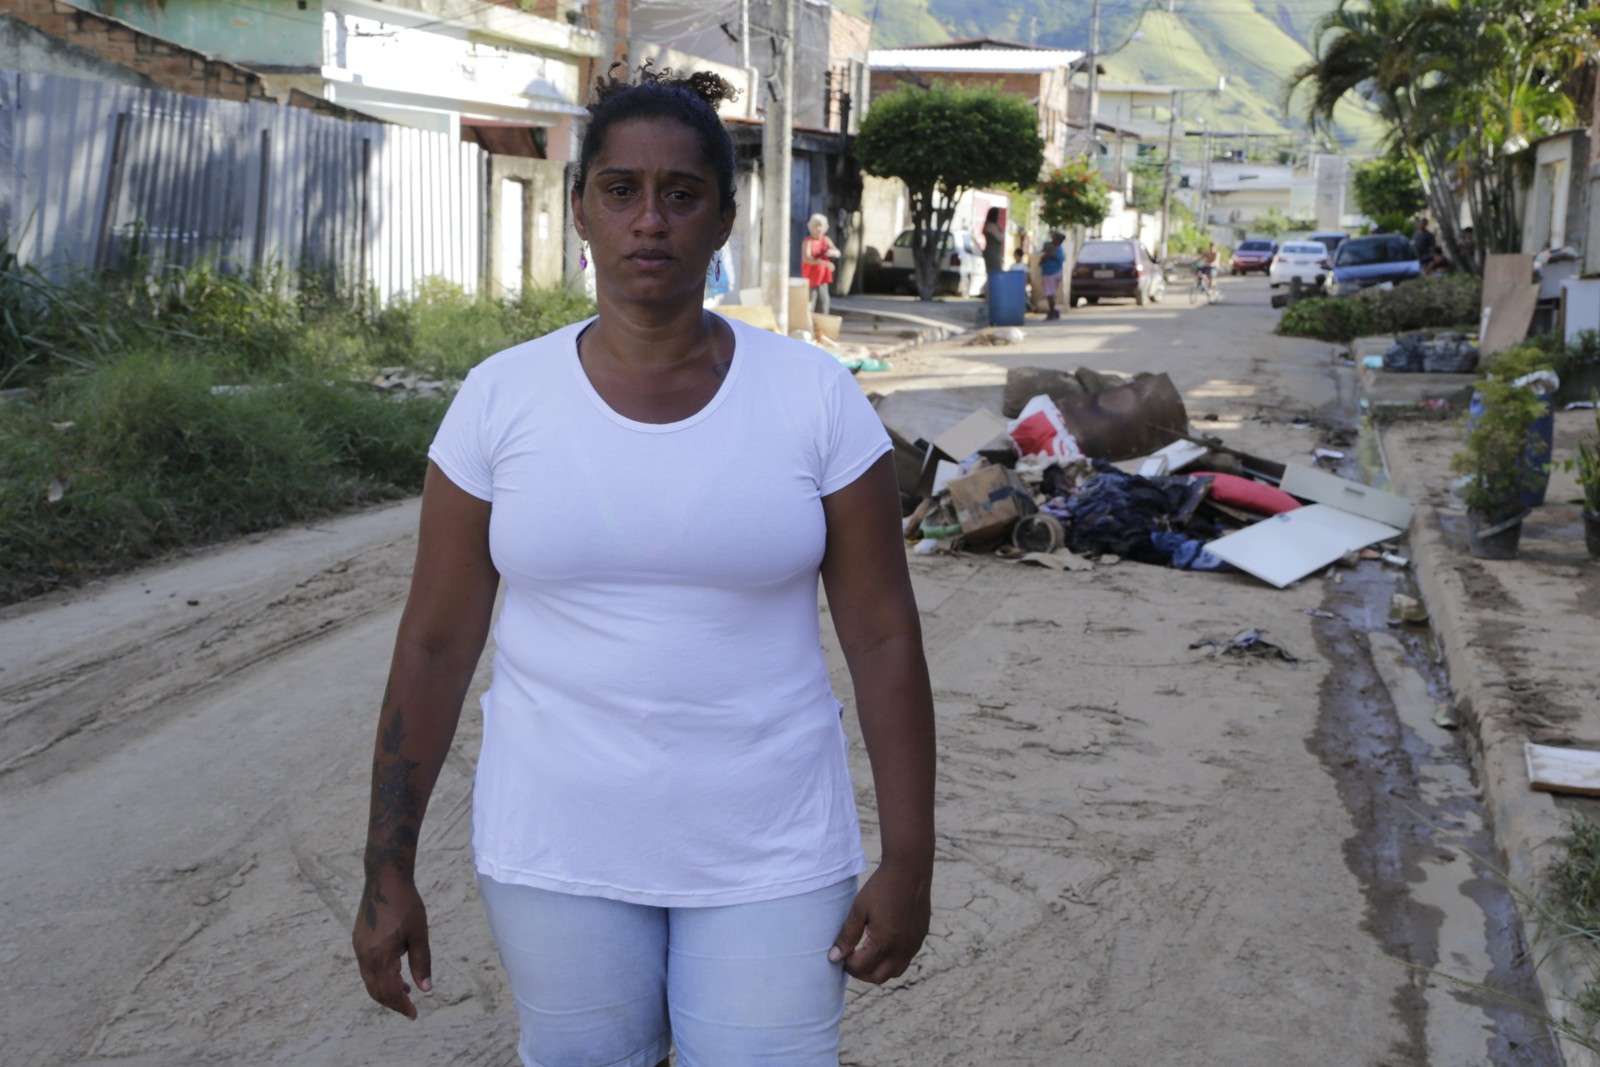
(1256, 44)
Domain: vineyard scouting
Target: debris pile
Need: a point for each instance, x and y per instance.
(1093, 467)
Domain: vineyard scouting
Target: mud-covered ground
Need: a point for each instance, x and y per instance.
(1149, 852)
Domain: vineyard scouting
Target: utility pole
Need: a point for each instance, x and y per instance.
(1094, 64)
(744, 34)
(1205, 178)
(777, 163)
(1166, 186)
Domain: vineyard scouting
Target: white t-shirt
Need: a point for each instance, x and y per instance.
(660, 727)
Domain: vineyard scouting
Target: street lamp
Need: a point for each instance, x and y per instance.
(1166, 186)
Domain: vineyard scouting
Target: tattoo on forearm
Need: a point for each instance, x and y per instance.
(396, 815)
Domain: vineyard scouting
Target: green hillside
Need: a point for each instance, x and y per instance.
(1254, 43)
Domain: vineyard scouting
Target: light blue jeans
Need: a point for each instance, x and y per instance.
(601, 983)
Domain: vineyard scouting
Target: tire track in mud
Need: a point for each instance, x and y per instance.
(89, 700)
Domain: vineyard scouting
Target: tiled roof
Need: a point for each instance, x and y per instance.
(974, 60)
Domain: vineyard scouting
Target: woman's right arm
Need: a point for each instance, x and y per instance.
(442, 634)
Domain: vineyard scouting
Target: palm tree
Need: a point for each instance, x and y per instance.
(1463, 84)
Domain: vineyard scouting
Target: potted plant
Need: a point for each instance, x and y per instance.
(1502, 464)
(1587, 464)
(1520, 364)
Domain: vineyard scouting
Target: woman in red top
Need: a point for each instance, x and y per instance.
(817, 253)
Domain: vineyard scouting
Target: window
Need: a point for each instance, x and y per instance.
(1106, 252)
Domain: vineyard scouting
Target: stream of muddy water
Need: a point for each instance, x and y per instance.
(1423, 847)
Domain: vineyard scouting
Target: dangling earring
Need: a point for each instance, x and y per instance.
(718, 260)
(583, 255)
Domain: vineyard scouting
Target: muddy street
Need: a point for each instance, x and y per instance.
(1149, 852)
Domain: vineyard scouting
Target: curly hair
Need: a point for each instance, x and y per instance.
(691, 99)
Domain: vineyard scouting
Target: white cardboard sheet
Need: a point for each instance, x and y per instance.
(1309, 483)
(1282, 549)
(1562, 770)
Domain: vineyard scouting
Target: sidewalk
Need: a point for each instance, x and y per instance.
(1520, 638)
(889, 324)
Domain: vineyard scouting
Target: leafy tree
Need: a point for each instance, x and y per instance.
(943, 141)
(1075, 195)
(1388, 186)
(1149, 177)
(1272, 224)
(1464, 85)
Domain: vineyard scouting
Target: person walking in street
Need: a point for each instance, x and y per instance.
(817, 253)
(1423, 243)
(994, 245)
(1210, 260)
(1052, 264)
(663, 822)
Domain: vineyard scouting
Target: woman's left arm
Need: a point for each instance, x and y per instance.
(875, 615)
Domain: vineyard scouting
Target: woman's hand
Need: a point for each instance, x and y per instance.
(887, 923)
(390, 923)
(442, 633)
(875, 616)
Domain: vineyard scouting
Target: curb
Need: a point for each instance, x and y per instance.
(1523, 820)
(922, 330)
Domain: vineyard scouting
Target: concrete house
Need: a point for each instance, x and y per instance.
(507, 79)
(1042, 76)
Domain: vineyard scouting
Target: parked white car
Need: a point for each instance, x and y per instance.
(1306, 260)
(961, 270)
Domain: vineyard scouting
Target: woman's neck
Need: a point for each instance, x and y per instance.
(626, 339)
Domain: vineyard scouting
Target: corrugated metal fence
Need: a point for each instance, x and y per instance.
(92, 174)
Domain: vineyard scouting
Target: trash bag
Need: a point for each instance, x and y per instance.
(1449, 353)
(1445, 353)
(1405, 355)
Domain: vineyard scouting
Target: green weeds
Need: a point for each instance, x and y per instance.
(148, 415)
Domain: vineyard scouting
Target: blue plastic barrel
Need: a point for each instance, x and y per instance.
(1008, 297)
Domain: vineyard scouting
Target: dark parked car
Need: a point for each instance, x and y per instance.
(1331, 240)
(961, 270)
(1362, 262)
(1117, 268)
(1252, 255)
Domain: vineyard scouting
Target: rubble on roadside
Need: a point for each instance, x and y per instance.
(1093, 469)
(401, 382)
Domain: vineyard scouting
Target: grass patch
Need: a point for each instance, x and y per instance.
(1572, 896)
(199, 406)
(147, 455)
(445, 332)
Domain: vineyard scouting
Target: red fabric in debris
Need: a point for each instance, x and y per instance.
(1250, 495)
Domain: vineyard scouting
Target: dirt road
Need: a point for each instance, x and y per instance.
(1149, 853)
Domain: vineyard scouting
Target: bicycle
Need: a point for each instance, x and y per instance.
(1205, 284)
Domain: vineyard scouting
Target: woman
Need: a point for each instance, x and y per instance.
(663, 822)
(1052, 262)
(994, 245)
(817, 253)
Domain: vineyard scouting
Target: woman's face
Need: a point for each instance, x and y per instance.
(650, 210)
(819, 228)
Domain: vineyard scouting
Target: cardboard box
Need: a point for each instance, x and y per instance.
(980, 428)
(988, 501)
